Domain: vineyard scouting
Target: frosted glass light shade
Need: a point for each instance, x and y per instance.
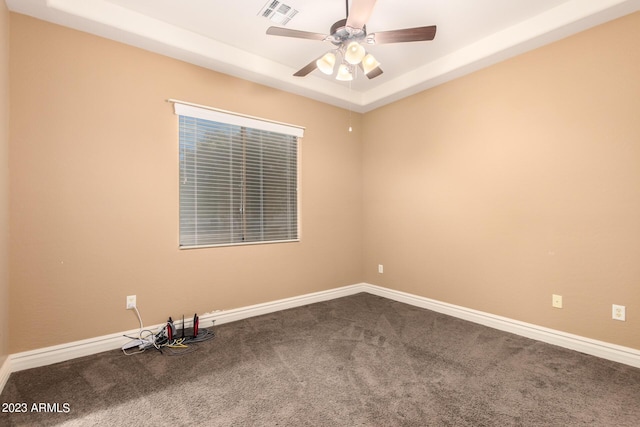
(369, 63)
(354, 53)
(344, 73)
(326, 63)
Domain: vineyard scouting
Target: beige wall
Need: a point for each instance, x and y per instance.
(4, 180)
(94, 191)
(521, 180)
(491, 192)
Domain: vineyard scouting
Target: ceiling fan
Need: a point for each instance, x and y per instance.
(348, 36)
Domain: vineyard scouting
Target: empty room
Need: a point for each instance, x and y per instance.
(318, 213)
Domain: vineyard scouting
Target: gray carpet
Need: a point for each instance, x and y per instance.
(355, 361)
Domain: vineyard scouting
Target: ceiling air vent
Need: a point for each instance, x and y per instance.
(278, 12)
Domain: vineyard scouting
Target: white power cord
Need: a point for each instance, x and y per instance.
(142, 342)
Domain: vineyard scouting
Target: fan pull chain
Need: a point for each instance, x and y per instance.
(350, 127)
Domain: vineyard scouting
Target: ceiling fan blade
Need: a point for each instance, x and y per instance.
(417, 34)
(307, 68)
(360, 13)
(286, 32)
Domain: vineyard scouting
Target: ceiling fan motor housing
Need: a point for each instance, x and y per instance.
(340, 33)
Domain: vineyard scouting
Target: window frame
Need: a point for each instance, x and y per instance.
(224, 117)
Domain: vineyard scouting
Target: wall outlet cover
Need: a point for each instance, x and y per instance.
(131, 302)
(618, 312)
(556, 301)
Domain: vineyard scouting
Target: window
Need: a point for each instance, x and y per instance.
(238, 178)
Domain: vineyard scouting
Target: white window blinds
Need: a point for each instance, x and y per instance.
(238, 178)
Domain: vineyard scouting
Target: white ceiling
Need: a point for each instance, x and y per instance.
(229, 36)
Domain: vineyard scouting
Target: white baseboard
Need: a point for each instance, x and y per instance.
(5, 371)
(227, 316)
(604, 350)
(60, 353)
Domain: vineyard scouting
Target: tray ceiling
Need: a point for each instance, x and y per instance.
(230, 37)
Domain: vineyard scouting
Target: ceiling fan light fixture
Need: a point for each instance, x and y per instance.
(354, 53)
(327, 63)
(344, 73)
(369, 63)
(349, 37)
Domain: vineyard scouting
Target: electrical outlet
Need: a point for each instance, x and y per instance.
(556, 301)
(131, 302)
(380, 268)
(618, 312)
